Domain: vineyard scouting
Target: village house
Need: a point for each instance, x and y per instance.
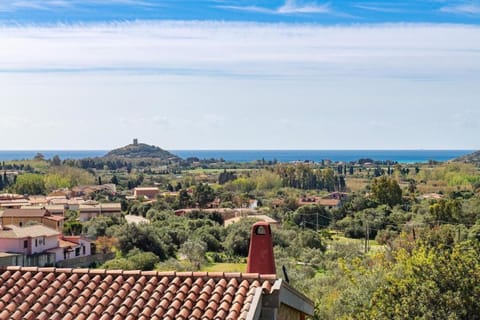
(58, 200)
(146, 192)
(327, 203)
(58, 210)
(38, 200)
(10, 196)
(43, 201)
(22, 217)
(39, 245)
(12, 201)
(14, 204)
(93, 209)
(116, 294)
(70, 247)
(28, 240)
(85, 191)
(64, 193)
(74, 204)
(332, 200)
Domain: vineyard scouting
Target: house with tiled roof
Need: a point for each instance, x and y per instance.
(325, 202)
(84, 191)
(11, 196)
(39, 245)
(28, 240)
(65, 193)
(146, 192)
(89, 210)
(21, 217)
(89, 294)
(12, 201)
(58, 210)
(38, 200)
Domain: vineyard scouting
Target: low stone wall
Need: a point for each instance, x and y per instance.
(86, 261)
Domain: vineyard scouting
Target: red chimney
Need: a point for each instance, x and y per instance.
(260, 254)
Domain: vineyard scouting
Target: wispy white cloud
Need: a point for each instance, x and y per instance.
(387, 8)
(293, 6)
(14, 5)
(244, 49)
(464, 8)
(10, 6)
(241, 85)
(289, 7)
(248, 9)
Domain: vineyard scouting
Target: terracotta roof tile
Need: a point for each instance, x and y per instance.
(49, 293)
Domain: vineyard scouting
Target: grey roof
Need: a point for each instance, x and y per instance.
(38, 230)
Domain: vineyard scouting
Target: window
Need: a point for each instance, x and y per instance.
(25, 244)
(77, 252)
(36, 242)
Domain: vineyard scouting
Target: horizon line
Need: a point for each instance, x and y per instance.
(255, 149)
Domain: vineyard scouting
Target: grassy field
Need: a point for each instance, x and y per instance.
(373, 245)
(357, 184)
(225, 267)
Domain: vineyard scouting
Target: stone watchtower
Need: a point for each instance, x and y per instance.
(135, 142)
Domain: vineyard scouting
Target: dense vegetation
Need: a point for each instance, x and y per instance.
(404, 243)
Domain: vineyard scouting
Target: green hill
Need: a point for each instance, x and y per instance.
(142, 151)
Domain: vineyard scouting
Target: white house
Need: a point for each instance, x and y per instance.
(28, 240)
(39, 239)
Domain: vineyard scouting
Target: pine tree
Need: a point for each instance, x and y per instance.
(5, 179)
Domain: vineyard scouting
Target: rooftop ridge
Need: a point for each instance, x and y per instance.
(97, 294)
(138, 273)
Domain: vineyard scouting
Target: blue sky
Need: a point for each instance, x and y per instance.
(292, 11)
(93, 74)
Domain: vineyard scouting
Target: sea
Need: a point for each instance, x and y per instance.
(401, 156)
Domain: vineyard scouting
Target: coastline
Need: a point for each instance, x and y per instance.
(242, 156)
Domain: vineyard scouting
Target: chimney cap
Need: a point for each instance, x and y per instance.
(262, 228)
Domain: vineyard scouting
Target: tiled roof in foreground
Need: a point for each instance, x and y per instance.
(53, 293)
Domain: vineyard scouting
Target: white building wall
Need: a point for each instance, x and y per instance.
(39, 246)
(59, 256)
(85, 216)
(12, 245)
(87, 245)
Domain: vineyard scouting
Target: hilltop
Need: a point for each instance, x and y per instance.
(141, 151)
(472, 157)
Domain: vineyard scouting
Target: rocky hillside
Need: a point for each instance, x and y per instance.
(472, 157)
